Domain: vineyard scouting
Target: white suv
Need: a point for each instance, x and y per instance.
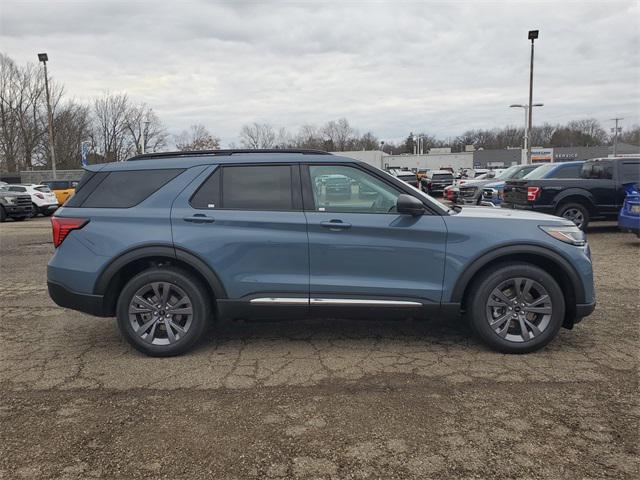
(43, 199)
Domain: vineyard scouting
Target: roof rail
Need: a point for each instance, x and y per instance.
(303, 151)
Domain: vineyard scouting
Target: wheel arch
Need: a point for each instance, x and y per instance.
(550, 261)
(114, 276)
(582, 197)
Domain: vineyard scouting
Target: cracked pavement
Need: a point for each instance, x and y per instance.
(315, 399)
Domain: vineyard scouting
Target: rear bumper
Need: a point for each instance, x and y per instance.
(629, 223)
(48, 208)
(64, 297)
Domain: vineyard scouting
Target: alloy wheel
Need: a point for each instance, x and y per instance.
(160, 313)
(575, 215)
(519, 309)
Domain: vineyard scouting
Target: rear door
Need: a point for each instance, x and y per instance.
(362, 252)
(246, 222)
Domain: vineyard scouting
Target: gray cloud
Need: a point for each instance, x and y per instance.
(389, 67)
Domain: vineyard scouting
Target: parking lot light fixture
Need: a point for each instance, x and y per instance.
(44, 58)
(533, 35)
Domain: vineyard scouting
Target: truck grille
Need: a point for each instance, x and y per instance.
(487, 193)
(468, 192)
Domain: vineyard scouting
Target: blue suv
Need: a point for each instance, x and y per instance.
(167, 242)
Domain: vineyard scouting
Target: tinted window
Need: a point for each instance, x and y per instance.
(599, 169)
(126, 188)
(43, 189)
(569, 171)
(630, 172)
(361, 193)
(442, 176)
(58, 184)
(265, 187)
(208, 195)
(87, 185)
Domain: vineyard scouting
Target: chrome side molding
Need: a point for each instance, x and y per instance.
(333, 301)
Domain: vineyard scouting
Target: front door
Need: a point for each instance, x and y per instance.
(361, 251)
(246, 222)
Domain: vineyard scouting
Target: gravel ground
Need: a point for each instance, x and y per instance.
(315, 399)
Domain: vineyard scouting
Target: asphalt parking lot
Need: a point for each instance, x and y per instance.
(315, 399)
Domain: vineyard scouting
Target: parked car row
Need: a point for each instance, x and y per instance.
(22, 201)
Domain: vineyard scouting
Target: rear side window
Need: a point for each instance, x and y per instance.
(599, 169)
(43, 189)
(257, 188)
(570, 171)
(121, 189)
(630, 172)
(208, 195)
(264, 187)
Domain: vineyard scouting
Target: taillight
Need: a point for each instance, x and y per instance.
(62, 226)
(533, 193)
(39, 195)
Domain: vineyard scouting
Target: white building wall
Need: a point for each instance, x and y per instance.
(433, 161)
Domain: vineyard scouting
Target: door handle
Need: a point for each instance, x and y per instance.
(335, 225)
(199, 218)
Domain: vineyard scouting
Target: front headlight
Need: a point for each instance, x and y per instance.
(567, 234)
(10, 200)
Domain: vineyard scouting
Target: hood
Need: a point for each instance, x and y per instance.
(477, 183)
(507, 213)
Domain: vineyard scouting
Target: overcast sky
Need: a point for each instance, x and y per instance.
(389, 67)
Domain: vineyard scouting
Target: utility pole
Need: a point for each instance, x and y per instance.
(615, 135)
(533, 34)
(43, 57)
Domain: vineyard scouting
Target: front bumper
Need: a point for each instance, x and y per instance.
(83, 302)
(17, 210)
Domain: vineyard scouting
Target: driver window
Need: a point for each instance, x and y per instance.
(339, 188)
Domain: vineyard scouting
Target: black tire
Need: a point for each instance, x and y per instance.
(19, 219)
(177, 279)
(481, 311)
(576, 212)
(3, 214)
(34, 210)
(48, 213)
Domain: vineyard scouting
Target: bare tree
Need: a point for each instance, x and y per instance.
(590, 129)
(257, 135)
(72, 124)
(196, 138)
(338, 134)
(309, 136)
(9, 124)
(111, 137)
(143, 124)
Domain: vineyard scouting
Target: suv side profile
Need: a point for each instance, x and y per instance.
(167, 242)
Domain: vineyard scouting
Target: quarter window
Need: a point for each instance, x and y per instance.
(339, 188)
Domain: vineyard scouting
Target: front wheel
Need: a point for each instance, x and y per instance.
(163, 311)
(516, 308)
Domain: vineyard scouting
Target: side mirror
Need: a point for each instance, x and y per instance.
(409, 205)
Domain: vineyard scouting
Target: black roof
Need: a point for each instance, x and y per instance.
(194, 153)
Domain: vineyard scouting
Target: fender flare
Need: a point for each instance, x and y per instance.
(504, 253)
(575, 192)
(149, 251)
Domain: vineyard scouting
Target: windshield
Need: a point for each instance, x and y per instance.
(508, 173)
(540, 172)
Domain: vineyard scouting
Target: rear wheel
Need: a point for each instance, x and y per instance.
(575, 212)
(516, 308)
(163, 311)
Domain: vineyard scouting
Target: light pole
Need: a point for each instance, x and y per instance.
(533, 34)
(44, 58)
(145, 125)
(615, 131)
(527, 131)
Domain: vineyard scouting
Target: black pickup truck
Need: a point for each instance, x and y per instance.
(597, 194)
